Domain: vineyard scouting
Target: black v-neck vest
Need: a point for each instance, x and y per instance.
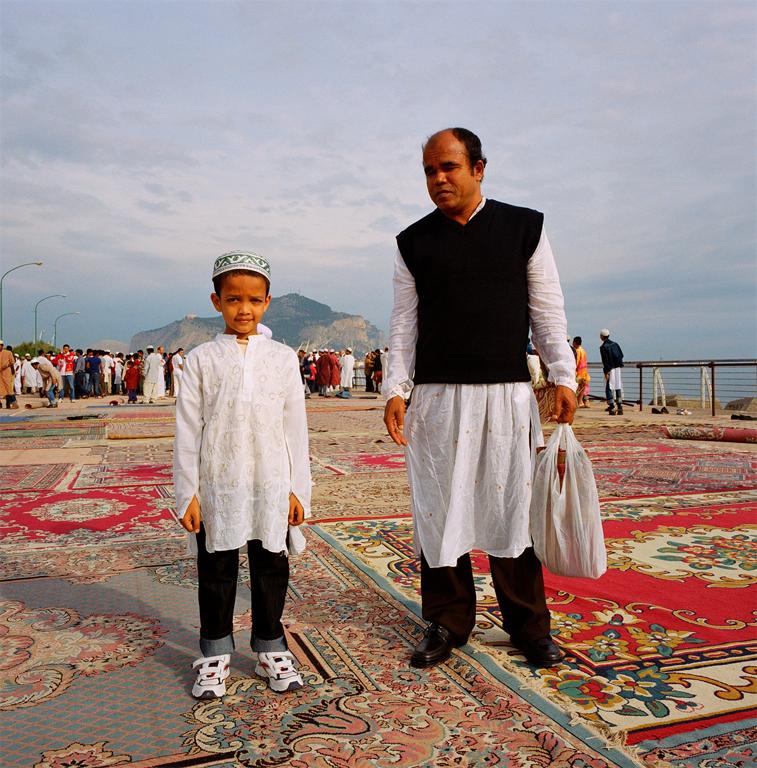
(472, 290)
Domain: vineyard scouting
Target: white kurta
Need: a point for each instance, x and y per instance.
(468, 454)
(241, 442)
(348, 368)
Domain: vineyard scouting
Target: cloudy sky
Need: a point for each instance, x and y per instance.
(139, 140)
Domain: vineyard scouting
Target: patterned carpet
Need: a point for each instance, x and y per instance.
(98, 618)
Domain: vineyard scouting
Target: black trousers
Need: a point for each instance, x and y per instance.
(217, 576)
(448, 596)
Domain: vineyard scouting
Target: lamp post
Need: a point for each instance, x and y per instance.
(55, 326)
(51, 296)
(12, 269)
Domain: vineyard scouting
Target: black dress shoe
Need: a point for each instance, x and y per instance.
(543, 652)
(436, 646)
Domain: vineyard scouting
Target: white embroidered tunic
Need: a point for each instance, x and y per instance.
(241, 442)
(468, 454)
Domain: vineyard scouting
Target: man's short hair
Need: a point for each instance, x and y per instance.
(577, 340)
(470, 141)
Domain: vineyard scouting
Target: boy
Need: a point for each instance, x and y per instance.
(241, 473)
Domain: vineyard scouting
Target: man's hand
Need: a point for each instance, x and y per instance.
(565, 405)
(394, 418)
(296, 511)
(192, 517)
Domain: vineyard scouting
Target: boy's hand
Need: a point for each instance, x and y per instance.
(565, 405)
(192, 517)
(394, 418)
(296, 511)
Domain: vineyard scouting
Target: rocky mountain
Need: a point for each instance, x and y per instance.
(294, 319)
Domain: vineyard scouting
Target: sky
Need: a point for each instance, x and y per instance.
(140, 140)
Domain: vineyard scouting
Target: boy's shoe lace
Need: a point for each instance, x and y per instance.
(212, 672)
(278, 667)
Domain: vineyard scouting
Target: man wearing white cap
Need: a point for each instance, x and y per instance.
(612, 364)
(153, 371)
(474, 269)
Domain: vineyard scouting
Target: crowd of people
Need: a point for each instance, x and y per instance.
(333, 373)
(93, 373)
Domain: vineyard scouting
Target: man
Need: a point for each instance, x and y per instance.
(177, 369)
(474, 269)
(7, 374)
(348, 369)
(66, 362)
(612, 362)
(153, 372)
(582, 372)
(94, 369)
(51, 377)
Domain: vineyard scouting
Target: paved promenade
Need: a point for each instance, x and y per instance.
(98, 617)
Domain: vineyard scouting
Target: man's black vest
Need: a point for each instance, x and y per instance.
(472, 290)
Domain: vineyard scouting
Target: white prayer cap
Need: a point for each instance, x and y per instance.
(604, 333)
(245, 260)
(2, 343)
(265, 330)
(149, 346)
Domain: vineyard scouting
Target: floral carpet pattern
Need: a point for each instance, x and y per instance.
(98, 618)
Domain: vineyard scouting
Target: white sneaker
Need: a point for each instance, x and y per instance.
(278, 667)
(212, 672)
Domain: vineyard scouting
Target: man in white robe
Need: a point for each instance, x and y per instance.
(348, 369)
(153, 371)
(470, 428)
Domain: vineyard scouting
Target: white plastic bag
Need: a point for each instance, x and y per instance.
(565, 520)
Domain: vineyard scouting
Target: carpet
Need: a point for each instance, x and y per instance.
(660, 648)
(725, 434)
(141, 429)
(350, 463)
(110, 474)
(36, 477)
(126, 697)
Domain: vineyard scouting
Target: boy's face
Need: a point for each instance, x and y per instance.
(243, 302)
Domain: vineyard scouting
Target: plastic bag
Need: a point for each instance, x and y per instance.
(565, 520)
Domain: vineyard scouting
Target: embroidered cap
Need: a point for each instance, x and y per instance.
(245, 260)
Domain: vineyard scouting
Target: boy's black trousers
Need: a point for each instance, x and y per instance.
(217, 574)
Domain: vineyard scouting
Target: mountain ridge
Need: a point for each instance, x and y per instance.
(294, 319)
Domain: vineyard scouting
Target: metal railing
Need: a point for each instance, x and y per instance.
(700, 384)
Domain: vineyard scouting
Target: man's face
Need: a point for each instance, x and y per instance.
(453, 185)
(243, 301)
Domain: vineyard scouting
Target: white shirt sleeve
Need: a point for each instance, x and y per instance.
(295, 435)
(549, 327)
(403, 333)
(186, 446)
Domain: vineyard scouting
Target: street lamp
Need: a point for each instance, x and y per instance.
(55, 326)
(26, 264)
(51, 296)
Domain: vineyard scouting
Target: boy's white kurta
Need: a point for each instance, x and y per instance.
(242, 441)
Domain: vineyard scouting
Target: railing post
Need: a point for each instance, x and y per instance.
(641, 382)
(712, 383)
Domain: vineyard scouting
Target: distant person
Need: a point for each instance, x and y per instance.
(66, 362)
(368, 371)
(582, 372)
(470, 427)
(131, 380)
(51, 378)
(7, 374)
(323, 372)
(80, 374)
(153, 373)
(16, 374)
(348, 370)
(242, 474)
(94, 369)
(378, 370)
(612, 364)
(177, 370)
(336, 371)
